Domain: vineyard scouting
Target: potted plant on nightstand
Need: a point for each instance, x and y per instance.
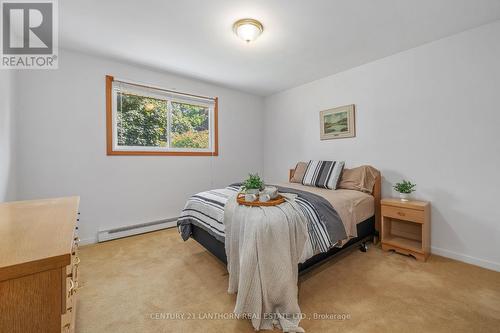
(404, 188)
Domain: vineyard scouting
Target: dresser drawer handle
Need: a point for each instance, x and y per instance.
(71, 286)
(401, 214)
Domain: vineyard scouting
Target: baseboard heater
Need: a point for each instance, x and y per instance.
(135, 229)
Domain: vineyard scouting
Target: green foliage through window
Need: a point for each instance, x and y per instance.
(143, 121)
(189, 126)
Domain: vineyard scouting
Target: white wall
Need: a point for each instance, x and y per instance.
(62, 145)
(431, 115)
(7, 176)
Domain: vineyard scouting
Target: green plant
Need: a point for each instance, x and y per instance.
(141, 121)
(405, 187)
(190, 139)
(253, 182)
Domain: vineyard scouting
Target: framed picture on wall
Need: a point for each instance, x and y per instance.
(338, 123)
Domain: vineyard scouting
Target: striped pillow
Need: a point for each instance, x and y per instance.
(324, 174)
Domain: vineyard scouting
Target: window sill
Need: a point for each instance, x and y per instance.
(161, 153)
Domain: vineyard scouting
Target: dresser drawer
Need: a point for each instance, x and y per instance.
(403, 214)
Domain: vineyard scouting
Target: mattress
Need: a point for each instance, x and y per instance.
(352, 206)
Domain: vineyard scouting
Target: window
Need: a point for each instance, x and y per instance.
(143, 120)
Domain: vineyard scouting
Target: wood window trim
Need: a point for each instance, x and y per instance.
(109, 131)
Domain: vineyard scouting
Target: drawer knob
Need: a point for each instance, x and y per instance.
(401, 214)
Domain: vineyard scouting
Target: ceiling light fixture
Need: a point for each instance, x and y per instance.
(248, 29)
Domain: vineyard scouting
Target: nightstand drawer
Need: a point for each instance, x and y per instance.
(403, 214)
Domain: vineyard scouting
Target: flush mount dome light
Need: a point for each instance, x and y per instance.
(248, 29)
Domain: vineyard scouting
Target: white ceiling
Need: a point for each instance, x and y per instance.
(302, 40)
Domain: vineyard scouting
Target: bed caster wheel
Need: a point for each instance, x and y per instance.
(363, 247)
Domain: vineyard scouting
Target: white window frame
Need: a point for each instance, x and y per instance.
(113, 87)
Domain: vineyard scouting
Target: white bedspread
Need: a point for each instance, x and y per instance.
(263, 247)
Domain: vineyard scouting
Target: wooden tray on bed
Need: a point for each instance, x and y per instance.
(273, 202)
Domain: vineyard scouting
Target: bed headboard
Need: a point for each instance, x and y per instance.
(377, 195)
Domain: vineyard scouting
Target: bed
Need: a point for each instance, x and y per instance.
(360, 214)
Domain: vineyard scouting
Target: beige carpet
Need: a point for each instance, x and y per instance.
(139, 284)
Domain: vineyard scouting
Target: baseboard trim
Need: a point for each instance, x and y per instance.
(135, 229)
(467, 259)
(88, 241)
(127, 231)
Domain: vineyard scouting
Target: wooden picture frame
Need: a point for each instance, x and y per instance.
(338, 123)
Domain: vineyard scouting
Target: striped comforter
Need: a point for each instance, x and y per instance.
(206, 210)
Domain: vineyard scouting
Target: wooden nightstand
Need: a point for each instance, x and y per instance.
(406, 227)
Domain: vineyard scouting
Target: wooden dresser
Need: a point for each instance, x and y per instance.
(38, 265)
